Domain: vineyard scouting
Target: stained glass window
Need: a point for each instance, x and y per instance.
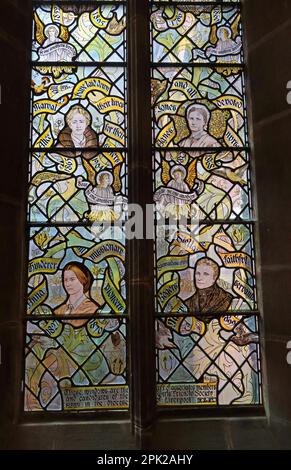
(76, 317)
(207, 318)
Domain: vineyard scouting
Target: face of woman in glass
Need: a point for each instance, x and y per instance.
(78, 124)
(196, 121)
(72, 284)
(204, 276)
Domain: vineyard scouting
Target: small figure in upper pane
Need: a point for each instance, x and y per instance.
(77, 282)
(78, 133)
(52, 34)
(209, 297)
(198, 117)
(226, 47)
(51, 42)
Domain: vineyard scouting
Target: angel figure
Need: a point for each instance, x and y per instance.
(223, 49)
(104, 204)
(53, 42)
(181, 190)
(226, 47)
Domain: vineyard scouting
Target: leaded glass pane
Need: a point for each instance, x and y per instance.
(62, 95)
(198, 107)
(202, 185)
(208, 363)
(204, 238)
(65, 33)
(193, 1)
(71, 189)
(206, 269)
(196, 33)
(72, 365)
(92, 259)
(76, 351)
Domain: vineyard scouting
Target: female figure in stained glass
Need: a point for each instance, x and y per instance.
(61, 362)
(198, 118)
(77, 281)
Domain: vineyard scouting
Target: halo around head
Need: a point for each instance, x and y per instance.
(224, 28)
(51, 26)
(178, 168)
(99, 176)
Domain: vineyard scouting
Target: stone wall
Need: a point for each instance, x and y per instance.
(268, 27)
(14, 118)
